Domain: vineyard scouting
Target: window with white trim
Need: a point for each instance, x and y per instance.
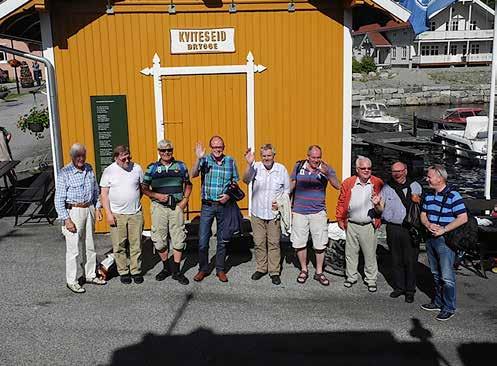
(475, 48)
(3, 57)
(454, 25)
(404, 52)
(433, 26)
(472, 25)
(394, 53)
(453, 49)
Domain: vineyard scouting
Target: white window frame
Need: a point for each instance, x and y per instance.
(472, 25)
(394, 53)
(475, 49)
(454, 25)
(433, 26)
(404, 53)
(4, 60)
(453, 49)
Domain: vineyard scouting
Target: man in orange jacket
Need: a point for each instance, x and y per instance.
(356, 215)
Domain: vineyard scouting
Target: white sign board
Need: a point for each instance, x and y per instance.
(216, 40)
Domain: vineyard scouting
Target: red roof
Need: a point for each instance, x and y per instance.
(378, 40)
(391, 24)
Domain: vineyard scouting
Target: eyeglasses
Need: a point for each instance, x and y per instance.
(125, 158)
(364, 168)
(166, 150)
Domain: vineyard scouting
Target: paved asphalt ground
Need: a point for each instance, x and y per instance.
(239, 323)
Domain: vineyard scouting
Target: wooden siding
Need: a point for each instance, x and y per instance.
(298, 99)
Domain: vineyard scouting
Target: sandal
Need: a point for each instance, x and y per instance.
(321, 278)
(303, 275)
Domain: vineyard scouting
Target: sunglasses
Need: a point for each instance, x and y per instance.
(166, 150)
(125, 158)
(364, 168)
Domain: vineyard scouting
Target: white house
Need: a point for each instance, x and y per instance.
(460, 34)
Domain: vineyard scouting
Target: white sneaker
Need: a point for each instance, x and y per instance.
(76, 288)
(96, 281)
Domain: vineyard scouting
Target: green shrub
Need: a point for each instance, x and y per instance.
(356, 66)
(367, 64)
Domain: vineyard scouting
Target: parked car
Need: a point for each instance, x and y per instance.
(459, 115)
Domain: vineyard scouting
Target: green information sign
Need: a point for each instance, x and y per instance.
(110, 128)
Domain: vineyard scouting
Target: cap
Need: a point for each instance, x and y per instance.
(165, 144)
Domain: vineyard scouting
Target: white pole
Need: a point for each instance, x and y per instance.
(250, 116)
(490, 138)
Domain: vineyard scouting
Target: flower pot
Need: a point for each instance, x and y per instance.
(36, 127)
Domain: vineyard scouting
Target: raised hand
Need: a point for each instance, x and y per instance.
(249, 156)
(199, 150)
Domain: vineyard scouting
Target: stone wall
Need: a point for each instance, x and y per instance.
(424, 95)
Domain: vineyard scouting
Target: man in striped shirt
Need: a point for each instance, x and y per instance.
(217, 171)
(309, 179)
(442, 211)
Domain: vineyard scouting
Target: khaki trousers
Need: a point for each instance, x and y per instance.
(266, 235)
(82, 239)
(363, 238)
(128, 229)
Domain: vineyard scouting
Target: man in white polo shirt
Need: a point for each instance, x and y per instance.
(270, 181)
(120, 196)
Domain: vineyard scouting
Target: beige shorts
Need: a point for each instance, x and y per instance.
(167, 221)
(316, 224)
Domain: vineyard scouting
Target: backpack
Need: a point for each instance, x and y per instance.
(464, 237)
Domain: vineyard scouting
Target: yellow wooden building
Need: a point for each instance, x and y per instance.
(252, 71)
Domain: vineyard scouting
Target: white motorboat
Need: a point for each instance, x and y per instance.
(470, 142)
(375, 115)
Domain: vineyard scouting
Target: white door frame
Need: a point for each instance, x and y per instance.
(250, 68)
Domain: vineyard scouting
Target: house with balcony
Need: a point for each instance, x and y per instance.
(460, 34)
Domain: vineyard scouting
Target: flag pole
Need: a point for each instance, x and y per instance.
(490, 129)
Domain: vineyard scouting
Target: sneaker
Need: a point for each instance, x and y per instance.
(444, 316)
(349, 284)
(180, 277)
(96, 281)
(275, 279)
(258, 275)
(162, 275)
(430, 307)
(396, 293)
(126, 279)
(138, 278)
(76, 288)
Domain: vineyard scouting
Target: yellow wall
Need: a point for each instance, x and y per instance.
(298, 99)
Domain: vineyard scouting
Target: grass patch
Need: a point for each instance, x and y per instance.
(14, 96)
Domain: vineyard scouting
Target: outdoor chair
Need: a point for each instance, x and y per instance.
(37, 194)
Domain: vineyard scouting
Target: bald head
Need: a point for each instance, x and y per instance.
(399, 172)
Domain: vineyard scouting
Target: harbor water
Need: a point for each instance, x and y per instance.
(468, 178)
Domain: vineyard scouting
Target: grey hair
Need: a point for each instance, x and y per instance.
(268, 147)
(312, 147)
(76, 148)
(441, 171)
(362, 158)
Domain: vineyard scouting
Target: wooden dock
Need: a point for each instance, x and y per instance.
(395, 140)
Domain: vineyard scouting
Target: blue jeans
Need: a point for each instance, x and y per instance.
(441, 259)
(207, 216)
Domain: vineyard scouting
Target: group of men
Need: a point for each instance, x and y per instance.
(280, 203)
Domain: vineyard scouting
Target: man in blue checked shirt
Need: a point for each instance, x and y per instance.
(442, 211)
(217, 171)
(76, 196)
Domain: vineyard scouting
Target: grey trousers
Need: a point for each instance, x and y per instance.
(361, 238)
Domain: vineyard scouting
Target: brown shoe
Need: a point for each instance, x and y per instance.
(222, 276)
(199, 276)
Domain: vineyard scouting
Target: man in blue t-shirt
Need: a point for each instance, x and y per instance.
(442, 211)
